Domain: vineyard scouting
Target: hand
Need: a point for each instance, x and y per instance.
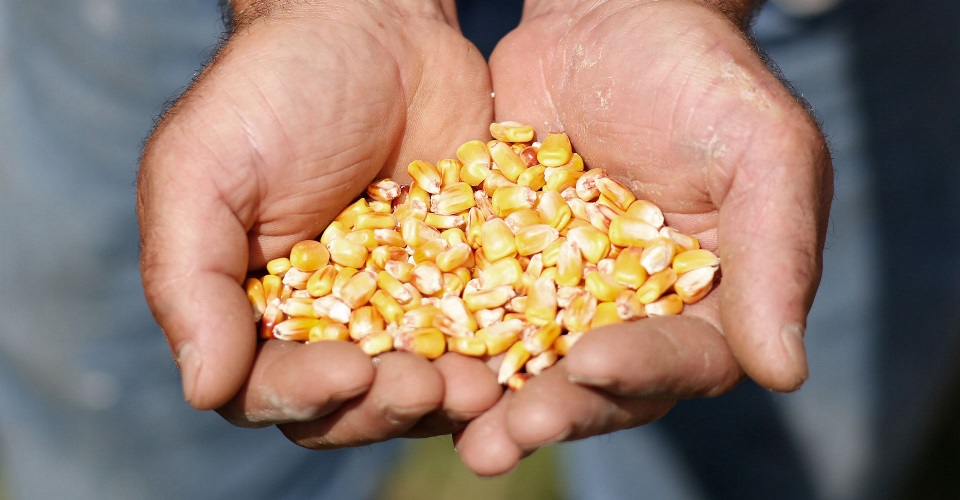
(303, 107)
(671, 97)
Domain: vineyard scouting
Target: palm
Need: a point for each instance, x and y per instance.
(670, 97)
(287, 126)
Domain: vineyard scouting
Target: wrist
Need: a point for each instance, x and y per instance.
(242, 12)
(741, 12)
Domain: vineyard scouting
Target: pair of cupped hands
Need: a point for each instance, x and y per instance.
(309, 101)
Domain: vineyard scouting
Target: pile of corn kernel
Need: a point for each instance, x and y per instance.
(512, 247)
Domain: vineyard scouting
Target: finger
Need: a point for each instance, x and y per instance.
(406, 388)
(469, 389)
(549, 408)
(296, 382)
(666, 357)
(484, 444)
(194, 255)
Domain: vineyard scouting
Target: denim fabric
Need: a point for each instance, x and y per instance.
(90, 400)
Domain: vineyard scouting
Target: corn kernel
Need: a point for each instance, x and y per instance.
(425, 175)
(668, 305)
(555, 150)
(507, 161)
(511, 131)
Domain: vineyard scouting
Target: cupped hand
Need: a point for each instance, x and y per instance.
(670, 97)
(303, 107)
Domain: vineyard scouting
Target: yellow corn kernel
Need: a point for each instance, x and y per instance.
(454, 236)
(550, 254)
(559, 179)
(429, 250)
(343, 275)
(534, 239)
(427, 342)
(658, 255)
(533, 177)
(549, 273)
(326, 329)
(646, 211)
(578, 208)
(349, 215)
(565, 342)
(603, 287)
(593, 243)
(295, 329)
(365, 237)
(456, 309)
(298, 307)
(401, 270)
(449, 172)
(365, 321)
(296, 279)
(600, 216)
(517, 381)
(412, 209)
(501, 272)
(511, 131)
(347, 253)
(627, 269)
(629, 307)
(272, 315)
(452, 284)
(334, 230)
(656, 285)
(542, 338)
(489, 298)
(381, 255)
(279, 266)
(586, 187)
(387, 306)
(309, 255)
(454, 257)
(384, 190)
(540, 362)
(487, 317)
(695, 284)
(417, 232)
(541, 302)
(509, 199)
(333, 308)
(495, 181)
(517, 355)
(497, 240)
(420, 316)
(611, 207)
(694, 259)
(578, 316)
(358, 289)
(616, 192)
(473, 229)
(575, 163)
(419, 195)
(476, 162)
(529, 155)
(555, 150)
(454, 198)
(382, 207)
(375, 220)
(627, 231)
(272, 285)
(256, 296)
(606, 314)
(440, 221)
(377, 343)
(427, 278)
(522, 218)
(425, 175)
(569, 264)
(393, 287)
(668, 305)
(554, 210)
(468, 346)
(566, 294)
(507, 161)
(464, 274)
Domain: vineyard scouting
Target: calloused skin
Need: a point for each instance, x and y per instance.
(307, 103)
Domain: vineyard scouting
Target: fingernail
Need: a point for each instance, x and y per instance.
(792, 338)
(189, 361)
